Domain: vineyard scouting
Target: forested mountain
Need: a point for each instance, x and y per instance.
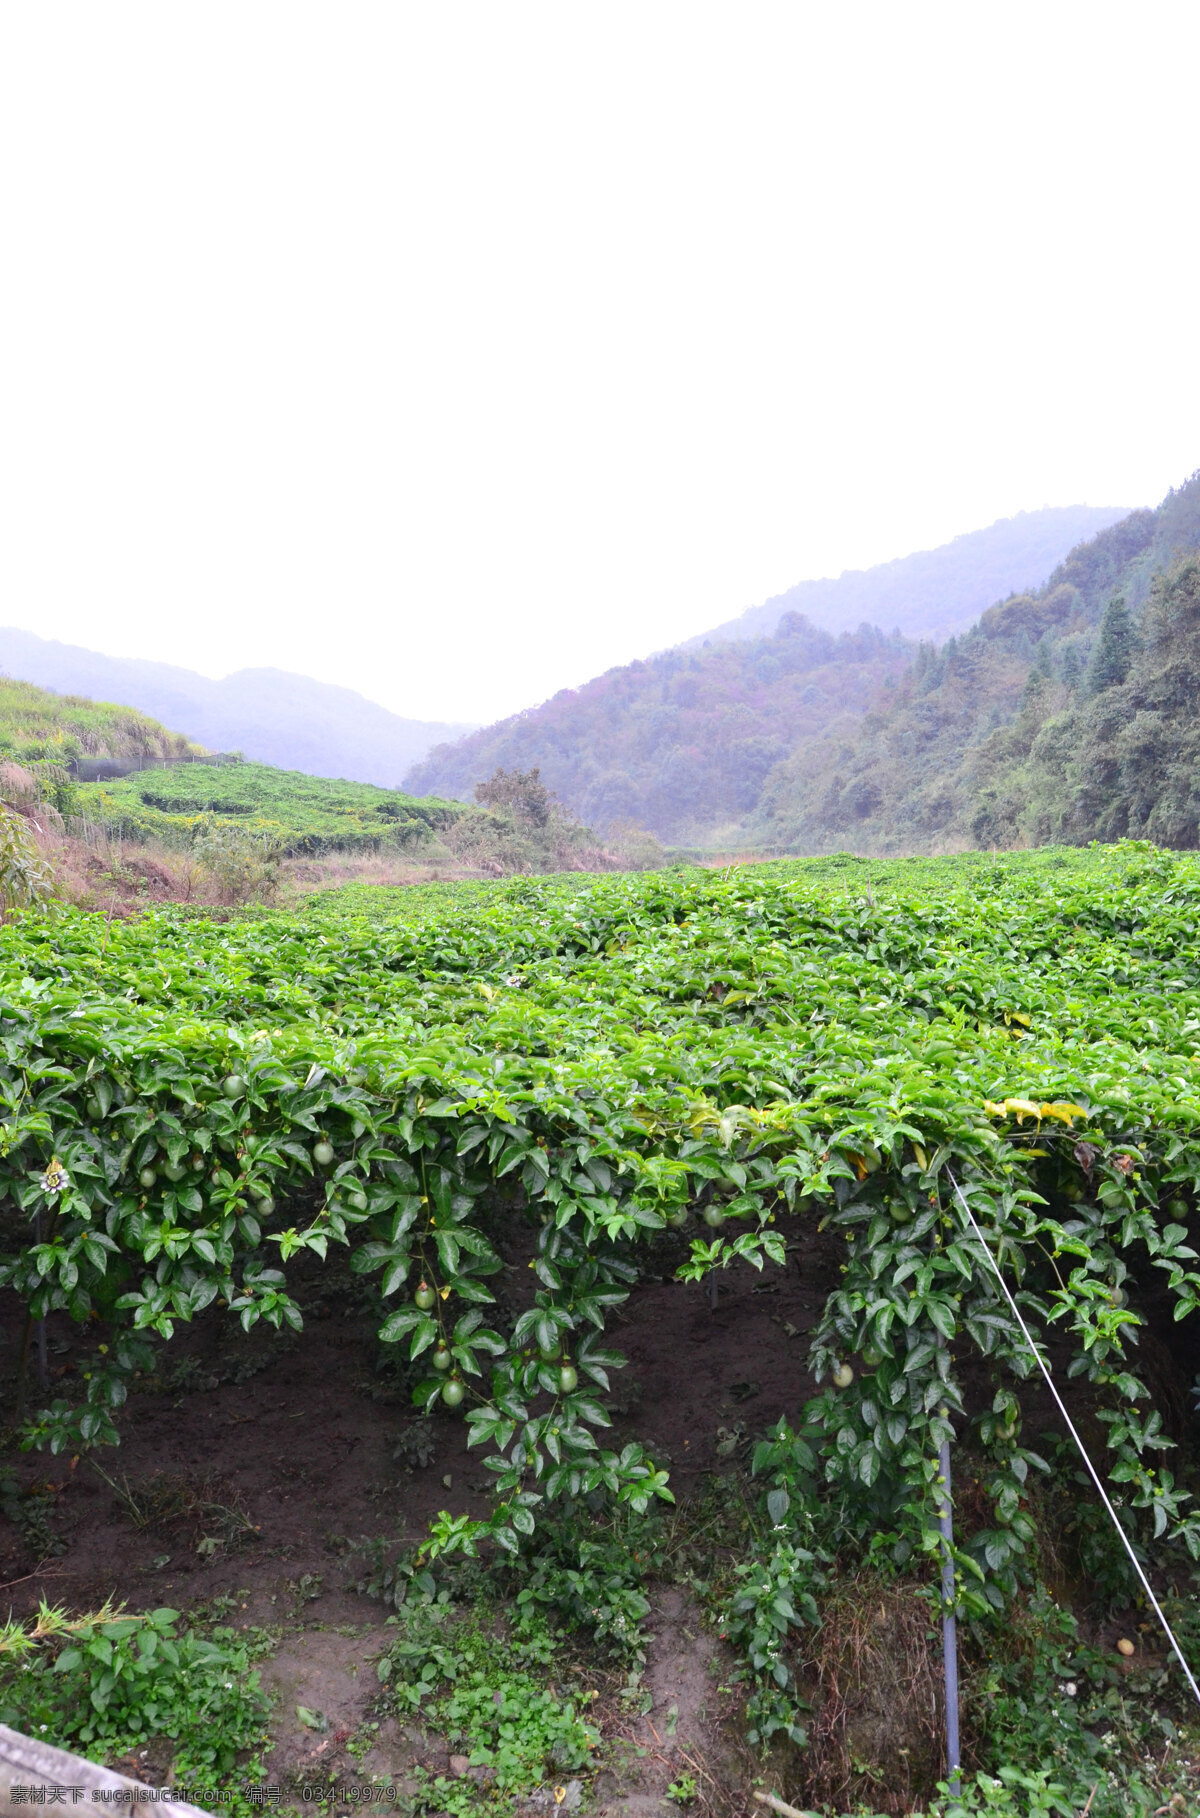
(684, 742)
(936, 592)
(1066, 713)
(276, 718)
(681, 743)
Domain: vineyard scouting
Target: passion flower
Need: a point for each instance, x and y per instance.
(55, 1179)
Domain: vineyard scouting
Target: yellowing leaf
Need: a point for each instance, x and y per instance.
(1021, 1108)
(1064, 1113)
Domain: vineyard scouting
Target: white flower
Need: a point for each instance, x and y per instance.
(55, 1179)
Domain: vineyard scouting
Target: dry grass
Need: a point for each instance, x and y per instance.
(874, 1681)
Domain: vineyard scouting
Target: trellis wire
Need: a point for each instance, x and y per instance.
(1044, 1367)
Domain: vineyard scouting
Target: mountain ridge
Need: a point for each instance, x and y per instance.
(683, 743)
(275, 717)
(932, 593)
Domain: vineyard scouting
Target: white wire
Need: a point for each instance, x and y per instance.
(1112, 1514)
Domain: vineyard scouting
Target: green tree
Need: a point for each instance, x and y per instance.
(1115, 647)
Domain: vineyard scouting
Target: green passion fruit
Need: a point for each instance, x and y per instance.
(843, 1376)
(424, 1296)
(678, 1220)
(453, 1392)
(233, 1085)
(568, 1379)
(265, 1204)
(147, 1179)
(872, 1356)
(441, 1359)
(174, 1171)
(714, 1218)
(356, 1199)
(322, 1154)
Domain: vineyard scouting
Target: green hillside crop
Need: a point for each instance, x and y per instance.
(42, 732)
(298, 813)
(718, 1063)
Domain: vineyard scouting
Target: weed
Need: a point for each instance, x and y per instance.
(106, 1684)
(470, 1680)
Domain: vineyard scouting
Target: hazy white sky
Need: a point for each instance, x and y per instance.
(455, 352)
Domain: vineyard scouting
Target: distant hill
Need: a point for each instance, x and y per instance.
(290, 721)
(936, 592)
(681, 743)
(1067, 713)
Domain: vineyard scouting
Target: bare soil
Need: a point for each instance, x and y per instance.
(251, 1470)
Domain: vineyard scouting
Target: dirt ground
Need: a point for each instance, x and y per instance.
(294, 1464)
(291, 1452)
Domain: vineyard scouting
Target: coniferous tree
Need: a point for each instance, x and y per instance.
(1115, 647)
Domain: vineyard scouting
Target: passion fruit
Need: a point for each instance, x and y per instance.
(678, 1220)
(843, 1376)
(441, 1359)
(453, 1392)
(872, 1357)
(322, 1154)
(424, 1296)
(714, 1218)
(147, 1179)
(233, 1085)
(265, 1204)
(568, 1379)
(356, 1199)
